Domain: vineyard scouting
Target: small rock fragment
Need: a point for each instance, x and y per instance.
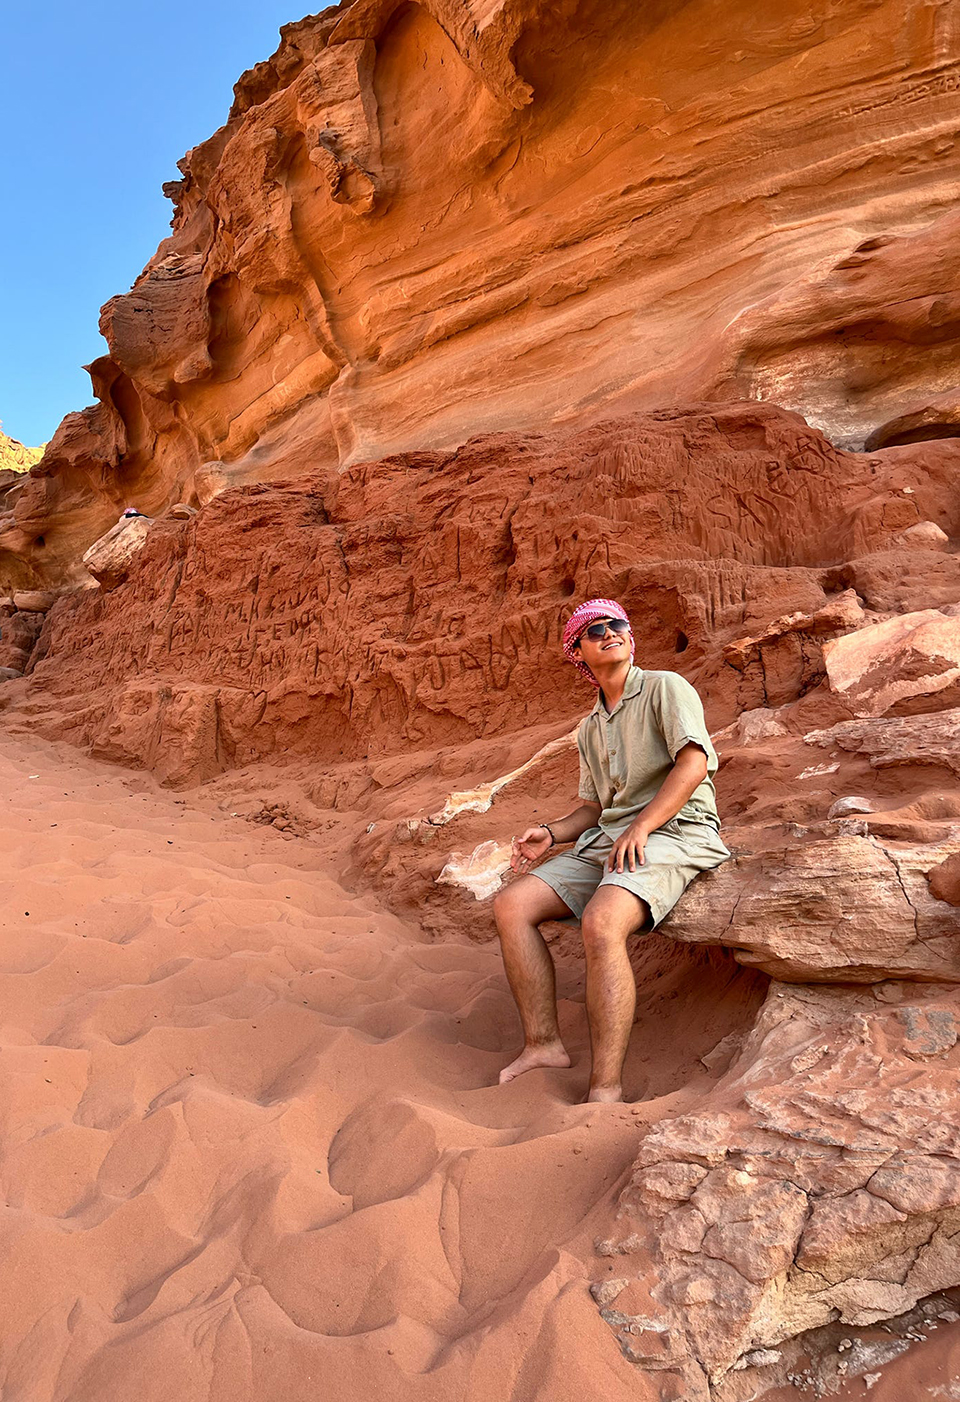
(480, 871)
(852, 804)
(759, 724)
(606, 1291)
(35, 600)
(925, 535)
(759, 1358)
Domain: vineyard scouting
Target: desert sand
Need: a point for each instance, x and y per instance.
(250, 1142)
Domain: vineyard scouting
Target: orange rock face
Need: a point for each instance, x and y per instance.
(424, 222)
(471, 311)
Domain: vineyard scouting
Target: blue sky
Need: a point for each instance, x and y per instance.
(98, 103)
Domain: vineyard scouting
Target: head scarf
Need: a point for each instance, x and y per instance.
(580, 619)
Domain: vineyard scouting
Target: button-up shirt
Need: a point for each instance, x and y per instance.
(626, 753)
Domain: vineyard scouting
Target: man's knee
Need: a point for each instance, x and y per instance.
(528, 901)
(607, 923)
(513, 903)
(504, 904)
(598, 933)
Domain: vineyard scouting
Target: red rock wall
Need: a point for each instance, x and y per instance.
(425, 222)
(419, 601)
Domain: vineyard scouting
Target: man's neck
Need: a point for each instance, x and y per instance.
(612, 682)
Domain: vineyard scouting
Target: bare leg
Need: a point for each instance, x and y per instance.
(518, 910)
(609, 918)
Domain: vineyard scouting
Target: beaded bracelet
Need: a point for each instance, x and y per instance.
(553, 840)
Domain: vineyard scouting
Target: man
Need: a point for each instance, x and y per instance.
(647, 824)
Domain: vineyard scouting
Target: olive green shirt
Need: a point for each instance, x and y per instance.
(626, 753)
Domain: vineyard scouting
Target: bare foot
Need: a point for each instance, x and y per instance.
(603, 1095)
(532, 1058)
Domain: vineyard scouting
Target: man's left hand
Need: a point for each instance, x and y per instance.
(627, 851)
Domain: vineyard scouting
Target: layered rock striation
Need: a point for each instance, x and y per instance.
(422, 222)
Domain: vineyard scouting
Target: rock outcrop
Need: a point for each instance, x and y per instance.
(422, 222)
(823, 1185)
(15, 459)
(236, 637)
(845, 909)
(373, 630)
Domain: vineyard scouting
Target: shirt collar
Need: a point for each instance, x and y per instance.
(633, 685)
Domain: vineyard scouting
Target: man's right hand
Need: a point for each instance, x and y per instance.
(529, 847)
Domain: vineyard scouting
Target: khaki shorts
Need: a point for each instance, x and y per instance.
(673, 856)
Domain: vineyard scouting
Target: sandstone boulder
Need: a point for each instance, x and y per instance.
(914, 655)
(35, 600)
(111, 557)
(927, 535)
(823, 1183)
(890, 741)
(843, 807)
(847, 909)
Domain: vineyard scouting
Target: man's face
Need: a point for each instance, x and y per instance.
(610, 646)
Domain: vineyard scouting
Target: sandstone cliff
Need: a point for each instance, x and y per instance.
(428, 221)
(15, 461)
(469, 312)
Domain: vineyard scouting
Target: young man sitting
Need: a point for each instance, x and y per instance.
(646, 826)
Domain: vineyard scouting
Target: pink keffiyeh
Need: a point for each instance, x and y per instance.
(580, 619)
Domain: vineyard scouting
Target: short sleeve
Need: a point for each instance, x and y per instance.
(588, 789)
(680, 714)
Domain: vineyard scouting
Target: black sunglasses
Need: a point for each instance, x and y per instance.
(598, 630)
